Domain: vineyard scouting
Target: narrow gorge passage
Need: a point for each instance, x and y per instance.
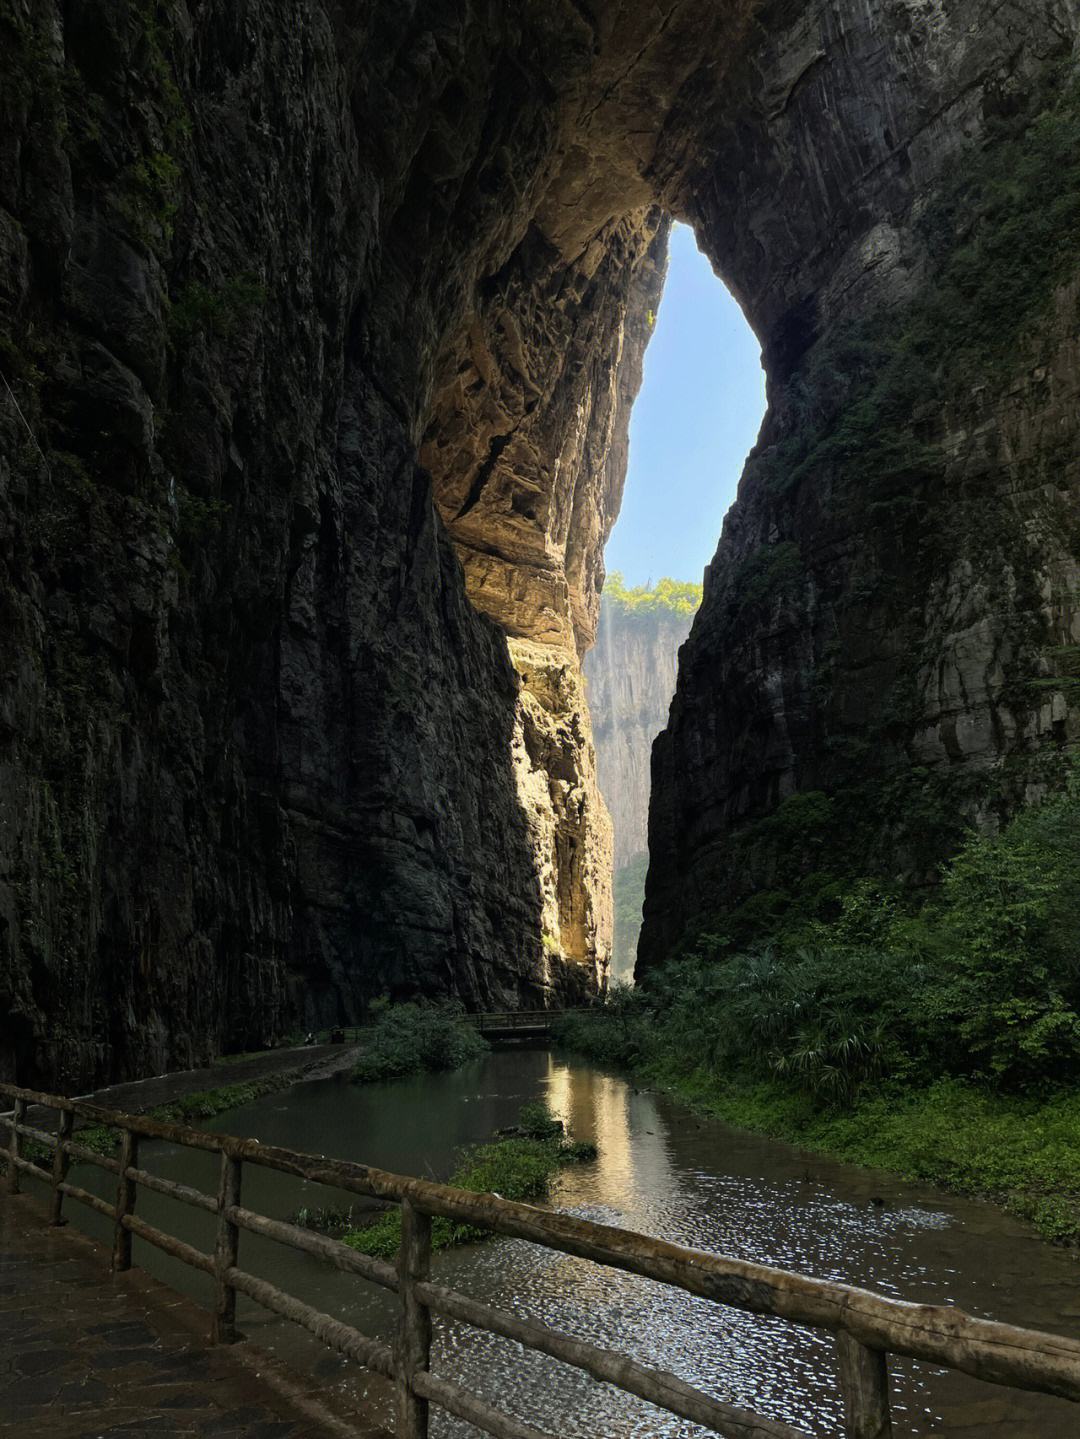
(322, 328)
(304, 501)
(695, 419)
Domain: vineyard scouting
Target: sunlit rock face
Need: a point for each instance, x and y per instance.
(322, 321)
(527, 449)
(631, 679)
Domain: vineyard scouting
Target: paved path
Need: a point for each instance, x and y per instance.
(137, 1096)
(85, 1354)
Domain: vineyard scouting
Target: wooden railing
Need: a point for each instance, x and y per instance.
(867, 1326)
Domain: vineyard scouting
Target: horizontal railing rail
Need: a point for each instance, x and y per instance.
(868, 1326)
(514, 1019)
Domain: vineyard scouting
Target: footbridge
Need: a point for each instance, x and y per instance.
(867, 1329)
(519, 1023)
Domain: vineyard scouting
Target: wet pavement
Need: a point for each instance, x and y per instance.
(86, 1354)
(136, 1096)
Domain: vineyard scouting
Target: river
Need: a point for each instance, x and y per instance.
(666, 1172)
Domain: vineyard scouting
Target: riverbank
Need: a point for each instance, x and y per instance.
(230, 1073)
(662, 1171)
(199, 1094)
(1022, 1154)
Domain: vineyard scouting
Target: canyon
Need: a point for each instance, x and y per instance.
(320, 325)
(630, 681)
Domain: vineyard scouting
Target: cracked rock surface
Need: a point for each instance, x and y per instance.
(319, 326)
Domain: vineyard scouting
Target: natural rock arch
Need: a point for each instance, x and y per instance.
(258, 259)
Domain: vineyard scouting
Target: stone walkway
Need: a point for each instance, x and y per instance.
(137, 1096)
(308, 1061)
(85, 1354)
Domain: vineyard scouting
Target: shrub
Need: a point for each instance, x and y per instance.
(536, 1121)
(520, 1169)
(413, 1038)
(619, 1034)
(980, 984)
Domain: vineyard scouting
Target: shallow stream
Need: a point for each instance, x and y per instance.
(663, 1171)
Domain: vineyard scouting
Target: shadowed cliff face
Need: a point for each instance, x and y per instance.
(885, 649)
(320, 323)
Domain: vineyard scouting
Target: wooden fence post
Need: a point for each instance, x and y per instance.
(15, 1148)
(61, 1160)
(414, 1340)
(125, 1201)
(864, 1383)
(226, 1251)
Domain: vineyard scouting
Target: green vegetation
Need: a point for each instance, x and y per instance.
(1020, 1150)
(676, 597)
(191, 1108)
(628, 886)
(197, 519)
(517, 1168)
(1002, 233)
(766, 573)
(149, 197)
(216, 313)
(941, 1038)
(536, 1121)
(413, 1038)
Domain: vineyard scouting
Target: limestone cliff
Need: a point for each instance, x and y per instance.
(631, 679)
(318, 328)
(886, 652)
(630, 675)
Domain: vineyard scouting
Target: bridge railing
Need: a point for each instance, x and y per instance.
(512, 1019)
(867, 1326)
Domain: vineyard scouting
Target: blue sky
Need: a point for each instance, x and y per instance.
(695, 419)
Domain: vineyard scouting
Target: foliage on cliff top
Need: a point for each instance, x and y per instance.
(413, 1038)
(667, 596)
(520, 1168)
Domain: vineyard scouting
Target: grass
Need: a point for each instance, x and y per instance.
(1020, 1150)
(1023, 1153)
(518, 1168)
(190, 1108)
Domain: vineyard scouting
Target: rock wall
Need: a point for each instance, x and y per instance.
(630, 679)
(257, 747)
(630, 675)
(886, 649)
(318, 326)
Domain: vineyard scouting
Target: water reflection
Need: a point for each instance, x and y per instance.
(669, 1174)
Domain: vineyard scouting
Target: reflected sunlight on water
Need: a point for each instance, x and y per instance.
(669, 1174)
